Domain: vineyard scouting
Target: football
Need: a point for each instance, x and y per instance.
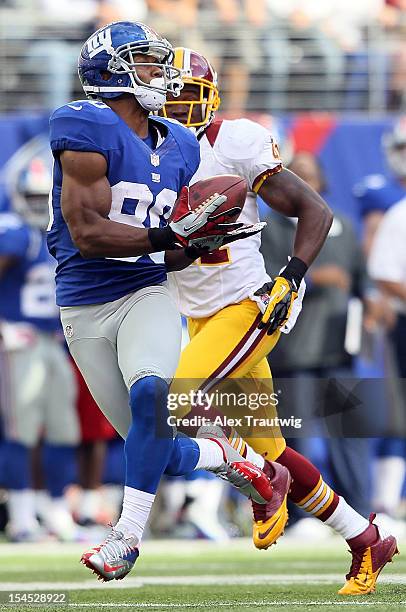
(230, 185)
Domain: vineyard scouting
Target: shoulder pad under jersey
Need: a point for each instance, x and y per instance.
(240, 139)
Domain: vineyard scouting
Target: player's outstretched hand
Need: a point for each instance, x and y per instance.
(276, 300)
(187, 223)
(232, 232)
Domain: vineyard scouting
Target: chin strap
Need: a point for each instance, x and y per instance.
(150, 99)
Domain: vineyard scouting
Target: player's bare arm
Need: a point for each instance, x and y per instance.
(393, 289)
(181, 259)
(86, 203)
(6, 262)
(292, 197)
(286, 193)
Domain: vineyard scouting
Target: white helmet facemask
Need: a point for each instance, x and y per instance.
(152, 95)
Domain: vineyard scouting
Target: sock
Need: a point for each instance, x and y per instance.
(149, 443)
(60, 505)
(89, 504)
(21, 509)
(59, 464)
(59, 520)
(254, 457)
(388, 481)
(347, 522)
(245, 449)
(17, 468)
(211, 454)
(136, 508)
(308, 490)
(204, 506)
(174, 495)
(42, 504)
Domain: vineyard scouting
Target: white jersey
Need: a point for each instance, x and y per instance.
(232, 273)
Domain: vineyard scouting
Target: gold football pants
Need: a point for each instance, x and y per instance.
(226, 357)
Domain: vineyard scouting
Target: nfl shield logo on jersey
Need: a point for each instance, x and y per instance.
(154, 159)
(68, 331)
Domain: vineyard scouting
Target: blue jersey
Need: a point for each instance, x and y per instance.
(378, 193)
(145, 183)
(27, 288)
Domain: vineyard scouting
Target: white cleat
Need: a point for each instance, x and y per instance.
(114, 558)
(249, 479)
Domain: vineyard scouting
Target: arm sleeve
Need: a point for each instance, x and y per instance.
(387, 260)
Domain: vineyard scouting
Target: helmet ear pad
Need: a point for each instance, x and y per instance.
(97, 73)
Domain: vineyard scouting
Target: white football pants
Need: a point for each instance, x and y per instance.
(117, 343)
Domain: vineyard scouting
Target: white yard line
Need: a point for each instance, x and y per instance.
(176, 548)
(205, 580)
(234, 604)
(173, 547)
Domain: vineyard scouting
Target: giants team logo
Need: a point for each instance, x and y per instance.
(101, 41)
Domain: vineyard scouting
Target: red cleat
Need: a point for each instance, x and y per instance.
(368, 562)
(270, 519)
(250, 480)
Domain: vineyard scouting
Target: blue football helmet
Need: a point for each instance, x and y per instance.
(27, 181)
(112, 49)
(394, 145)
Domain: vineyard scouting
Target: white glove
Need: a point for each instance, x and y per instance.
(296, 309)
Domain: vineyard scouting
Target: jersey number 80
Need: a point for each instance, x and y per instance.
(136, 205)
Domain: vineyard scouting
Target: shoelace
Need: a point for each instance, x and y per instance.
(232, 475)
(356, 563)
(115, 543)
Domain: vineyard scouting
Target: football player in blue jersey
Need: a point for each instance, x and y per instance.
(37, 387)
(376, 194)
(117, 176)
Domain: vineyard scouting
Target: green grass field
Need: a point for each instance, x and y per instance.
(177, 575)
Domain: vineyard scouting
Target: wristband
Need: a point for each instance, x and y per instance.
(295, 270)
(162, 238)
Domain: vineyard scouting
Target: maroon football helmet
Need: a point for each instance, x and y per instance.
(197, 70)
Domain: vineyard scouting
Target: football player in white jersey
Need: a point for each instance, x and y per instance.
(236, 314)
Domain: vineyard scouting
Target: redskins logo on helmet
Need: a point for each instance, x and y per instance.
(196, 70)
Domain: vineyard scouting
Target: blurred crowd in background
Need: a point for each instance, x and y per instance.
(60, 461)
(271, 55)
